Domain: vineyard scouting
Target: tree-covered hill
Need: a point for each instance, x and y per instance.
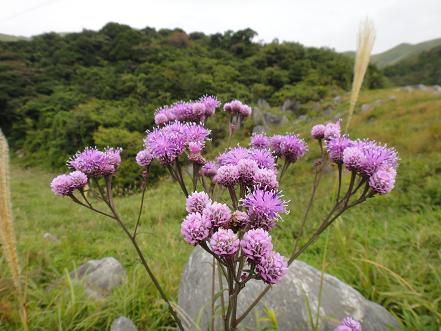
(59, 93)
(424, 68)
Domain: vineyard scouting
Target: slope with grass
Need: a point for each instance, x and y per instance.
(388, 249)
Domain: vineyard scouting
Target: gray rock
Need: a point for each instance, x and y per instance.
(302, 117)
(392, 98)
(327, 111)
(51, 238)
(258, 129)
(338, 99)
(263, 104)
(291, 105)
(100, 277)
(421, 87)
(274, 119)
(365, 107)
(123, 324)
(436, 89)
(408, 88)
(287, 299)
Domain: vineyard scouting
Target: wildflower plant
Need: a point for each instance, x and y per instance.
(237, 233)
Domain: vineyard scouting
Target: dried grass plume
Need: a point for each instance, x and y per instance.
(365, 43)
(7, 234)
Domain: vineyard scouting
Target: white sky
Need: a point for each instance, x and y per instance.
(331, 23)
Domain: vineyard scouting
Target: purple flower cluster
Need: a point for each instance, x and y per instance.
(64, 185)
(291, 147)
(245, 166)
(196, 111)
(264, 208)
(349, 324)
(235, 107)
(144, 158)
(167, 143)
(96, 163)
(213, 225)
(368, 159)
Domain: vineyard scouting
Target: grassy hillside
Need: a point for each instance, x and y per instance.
(403, 51)
(388, 249)
(8, 37)
(424, 68)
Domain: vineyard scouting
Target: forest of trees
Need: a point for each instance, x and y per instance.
(59, 93)
(425, 68)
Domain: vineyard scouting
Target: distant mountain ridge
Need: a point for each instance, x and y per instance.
(8, 37)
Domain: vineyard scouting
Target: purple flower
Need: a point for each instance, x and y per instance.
(165, 144)
(224, 242)
(245, 110)
(62, 185)
(292, 147)
(218, 214)
(95, 163)
(246, 169)
(272, 268)
(374, 157)
(332, 130)
(264, 208)
(263, 158)
(195, 228)
(266, 179)
(276, 144)
(260, 141)
(195, 133)
(209, 169)
(227, 175)
(144, 158)
(336, 147)
(353, 158)
(78, 179)
(383, 180)
(233, 156)
(349, 324)
(197, 202)
(239, 219)
(211, 103)
(318, 131)
(256, 244)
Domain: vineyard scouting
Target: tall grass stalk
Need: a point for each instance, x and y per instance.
(7, 233)
(365, 43)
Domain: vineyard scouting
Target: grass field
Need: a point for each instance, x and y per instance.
(388, 248)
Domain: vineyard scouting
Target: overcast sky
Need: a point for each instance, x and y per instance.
(331, 23)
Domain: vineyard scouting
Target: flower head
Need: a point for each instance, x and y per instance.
(332, 130)
(227, 175)
(272, 267)
(383, 180)
(79, 179)
(276, 144)
(247, 169)
(256, 244)
(211, 103)
(197, 202)
(62, 185)
(235, 107)
(318, 131)
(292, 147)
(349, 324)
(218, 214)
(336, 147)
(266, 179)
(224, 242)
(353, 158)
(95, 163)
(239, 219)
(144, 158)
(209, 169)
(263, 158)
(260, 141)
(195, 228)
(264, 208)
(233, 156)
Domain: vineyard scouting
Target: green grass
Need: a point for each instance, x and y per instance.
(388, 248)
